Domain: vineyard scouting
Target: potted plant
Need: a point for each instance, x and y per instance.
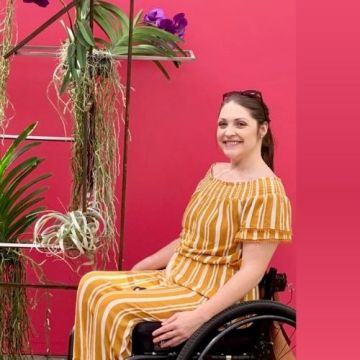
(19, 199)
(87, 81)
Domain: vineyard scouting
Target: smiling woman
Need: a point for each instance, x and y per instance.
(244, 135)
(234, 221)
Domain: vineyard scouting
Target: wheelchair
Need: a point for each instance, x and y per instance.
(258, 330)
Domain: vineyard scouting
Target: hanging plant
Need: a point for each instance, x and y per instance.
(17, 212)
(6, 31)
(93, 101)
(153, 34)
(88, 75)
(88, 84)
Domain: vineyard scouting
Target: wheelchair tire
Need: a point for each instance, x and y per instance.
(248, 312)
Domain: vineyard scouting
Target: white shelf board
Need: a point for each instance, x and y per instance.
(53, 51)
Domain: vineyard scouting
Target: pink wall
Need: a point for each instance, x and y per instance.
(238, 46)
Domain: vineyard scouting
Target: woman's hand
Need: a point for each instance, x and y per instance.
(178, 328)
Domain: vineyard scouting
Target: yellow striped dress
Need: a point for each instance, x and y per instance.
(220, 216)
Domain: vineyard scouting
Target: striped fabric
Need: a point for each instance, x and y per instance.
(220, 216)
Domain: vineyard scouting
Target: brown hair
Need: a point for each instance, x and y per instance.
(253, 101)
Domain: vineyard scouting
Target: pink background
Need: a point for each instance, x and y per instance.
(328, 192)
(243, 45)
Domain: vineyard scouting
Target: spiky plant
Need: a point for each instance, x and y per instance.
(19, 199)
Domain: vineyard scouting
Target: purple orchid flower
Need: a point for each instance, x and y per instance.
(167, 25)
(175, 26)
(157, 18)
(180, 23)
(154, 16)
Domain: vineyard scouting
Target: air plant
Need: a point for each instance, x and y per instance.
(18, 211)
(70, 235)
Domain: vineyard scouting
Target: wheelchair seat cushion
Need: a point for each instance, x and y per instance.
(142, 339)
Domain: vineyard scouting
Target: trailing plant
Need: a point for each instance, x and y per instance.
(88, 84)
(18, 210)
(88, 74)
(6, 32)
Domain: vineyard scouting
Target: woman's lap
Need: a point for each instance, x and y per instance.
(110, 304)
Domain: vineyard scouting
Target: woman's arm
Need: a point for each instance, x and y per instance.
(255, 260)
(180, 326)
(157, 260)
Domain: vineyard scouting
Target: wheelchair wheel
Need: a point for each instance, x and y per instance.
(265, 330)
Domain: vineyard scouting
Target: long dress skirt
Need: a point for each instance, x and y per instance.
(110, 304)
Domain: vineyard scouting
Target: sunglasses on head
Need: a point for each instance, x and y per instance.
(251, 94)
(248, 93)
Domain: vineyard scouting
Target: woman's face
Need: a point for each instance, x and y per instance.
(238, 134)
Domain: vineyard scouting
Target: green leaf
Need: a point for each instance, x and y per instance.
(69, 31)
(17, 210)
(122, 17)
(22, 224)
(162, 69)
(83, 9)
(19, 169)
(16, 197)
(15, 155)
(22, 204)
(80, 55)
(19, 178)
(72, 63)
(65, 81)
(179, 48)
(151, 31)
(100, 19)
(86, 32)
(4, 198)
(102, 43)
(137, 18)
(80, 38)
(71, 50)
(4, 161)
(143, 49)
